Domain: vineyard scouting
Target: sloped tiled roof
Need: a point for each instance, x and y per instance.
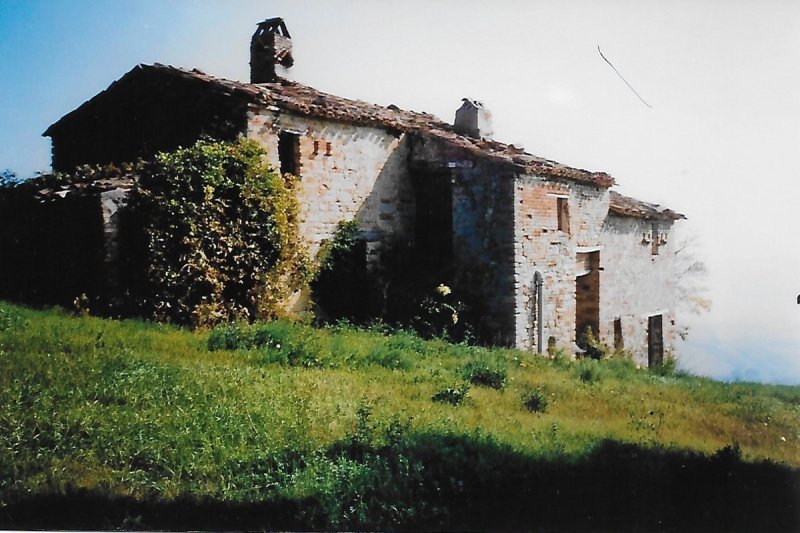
(305, 100)
(631, 207)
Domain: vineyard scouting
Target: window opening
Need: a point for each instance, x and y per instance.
(289, 153)
(562, 208)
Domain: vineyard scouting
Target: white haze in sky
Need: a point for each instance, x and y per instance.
(719, 143)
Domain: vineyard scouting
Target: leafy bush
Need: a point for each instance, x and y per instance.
(594, 349)
(534, 401)
(232, 336)
(589, 370)
(485, 373)
(441, 314)
(454, 395)
(220, 235)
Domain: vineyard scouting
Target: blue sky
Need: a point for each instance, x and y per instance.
(719, 143)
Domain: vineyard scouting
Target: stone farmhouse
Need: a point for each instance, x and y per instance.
(563, 251)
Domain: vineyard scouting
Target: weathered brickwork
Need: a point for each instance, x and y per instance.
(541, 246)
(505, 227)
(633, 283)
(346, 172)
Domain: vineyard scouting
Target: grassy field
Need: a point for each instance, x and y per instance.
(110, 424)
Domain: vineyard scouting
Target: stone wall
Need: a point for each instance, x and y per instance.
(633, 283)
(541, 246)
(636, 284)
(483, 232)
(346, 172)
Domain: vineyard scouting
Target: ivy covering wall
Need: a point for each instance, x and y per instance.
(218, 229)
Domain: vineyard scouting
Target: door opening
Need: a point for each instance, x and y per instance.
(587, 297)
(655, 341)
(434, 220)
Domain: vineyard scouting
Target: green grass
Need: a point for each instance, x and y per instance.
(283, 425)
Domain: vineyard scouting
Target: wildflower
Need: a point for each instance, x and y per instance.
(443, 289)
(783, 439)
(455, 318)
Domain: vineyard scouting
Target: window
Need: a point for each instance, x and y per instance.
(562, 210)
(289, 152)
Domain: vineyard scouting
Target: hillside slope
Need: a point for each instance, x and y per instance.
(127, 424)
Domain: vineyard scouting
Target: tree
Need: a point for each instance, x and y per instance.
(7, 178)
(691, 282)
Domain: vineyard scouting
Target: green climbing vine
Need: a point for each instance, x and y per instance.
(220, 235)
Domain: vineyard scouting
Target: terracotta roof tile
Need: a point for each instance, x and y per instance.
(631, 207)
(305, 100)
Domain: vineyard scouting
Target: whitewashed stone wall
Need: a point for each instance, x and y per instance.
(112, 202)
(636, 284)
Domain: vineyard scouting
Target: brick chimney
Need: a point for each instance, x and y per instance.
(473, 119)
(270, 51)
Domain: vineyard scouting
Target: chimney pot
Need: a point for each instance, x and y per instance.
(270, 51)
(473, 120)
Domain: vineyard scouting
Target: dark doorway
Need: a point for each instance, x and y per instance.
(587, 297)
(345, 289)
(655, 341)
(619, 342)
(434, 221)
